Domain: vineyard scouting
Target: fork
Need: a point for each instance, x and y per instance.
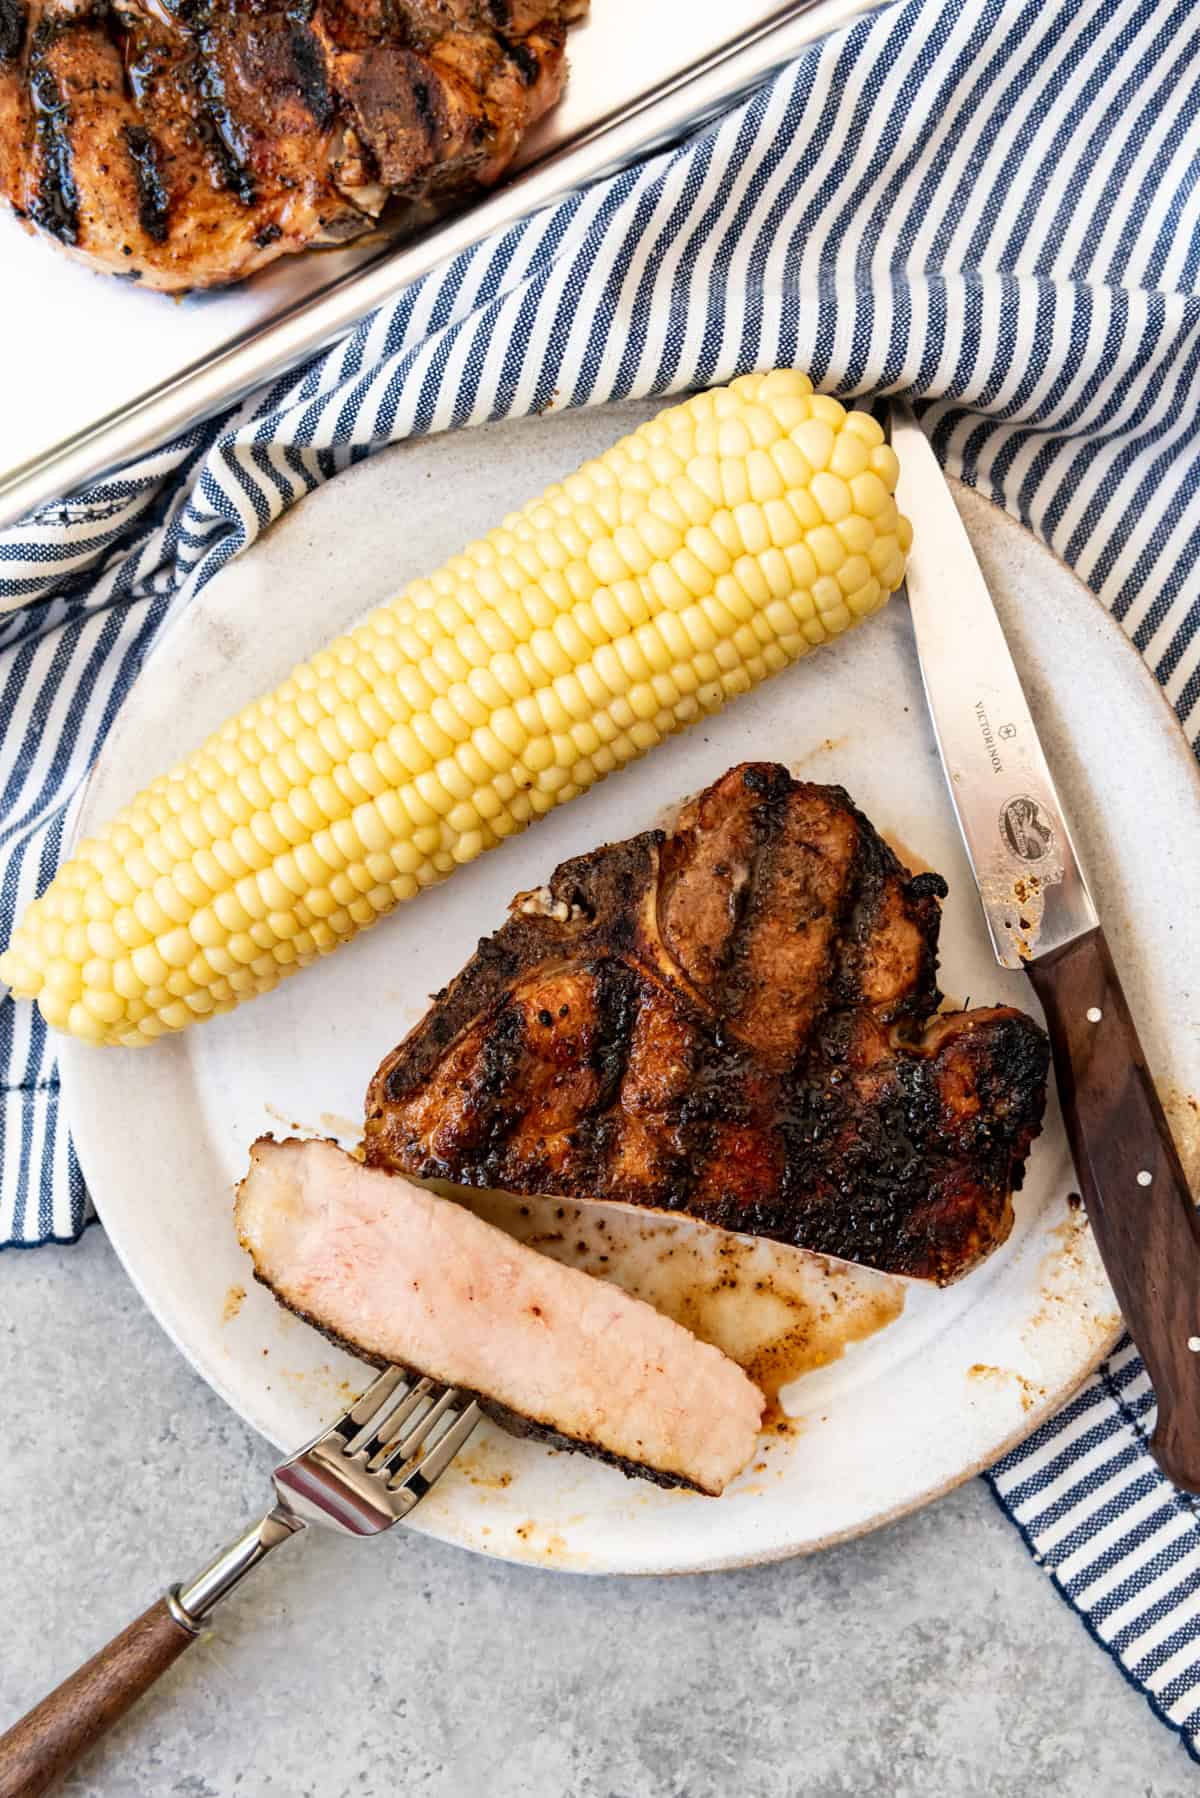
(360, 1476)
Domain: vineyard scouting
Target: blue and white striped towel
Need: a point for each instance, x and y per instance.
(994, 204)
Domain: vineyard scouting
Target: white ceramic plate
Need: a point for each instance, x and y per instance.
(898, 1416)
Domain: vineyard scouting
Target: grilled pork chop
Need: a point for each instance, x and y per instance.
(395, 1274)
(186, 143)
(736, 1021)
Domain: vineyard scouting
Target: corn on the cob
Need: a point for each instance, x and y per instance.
(715, 545)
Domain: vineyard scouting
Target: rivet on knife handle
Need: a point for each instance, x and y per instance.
(1141, 1212)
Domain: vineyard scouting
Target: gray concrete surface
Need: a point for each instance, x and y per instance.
(931, 1658)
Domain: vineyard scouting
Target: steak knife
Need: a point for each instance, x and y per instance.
(1041, 917)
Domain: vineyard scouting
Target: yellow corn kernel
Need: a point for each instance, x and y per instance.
(711, 548)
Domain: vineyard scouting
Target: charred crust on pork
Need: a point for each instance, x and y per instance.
(12, 29)
(307, 64)
(749, 1034)
(186, 143)
(54, 206)
(153, 201)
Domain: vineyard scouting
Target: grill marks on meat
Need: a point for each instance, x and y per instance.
(188, 142)
(58, 98)
(153, 204)
(739, 1021)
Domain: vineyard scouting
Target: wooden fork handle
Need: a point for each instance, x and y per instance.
(1146, 1225)
(45, 1745)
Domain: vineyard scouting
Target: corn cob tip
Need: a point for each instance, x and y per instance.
(717, 544)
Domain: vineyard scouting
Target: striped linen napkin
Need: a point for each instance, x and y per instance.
(992, 204)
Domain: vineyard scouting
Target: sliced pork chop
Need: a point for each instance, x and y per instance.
(736, 1021)
(398, 1275)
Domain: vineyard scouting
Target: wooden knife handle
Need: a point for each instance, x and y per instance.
(1142, 1215)
(44, 1746)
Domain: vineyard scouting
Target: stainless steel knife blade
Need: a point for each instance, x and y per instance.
(1034, 894)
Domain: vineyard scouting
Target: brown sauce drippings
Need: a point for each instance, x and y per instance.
(779, 1312)
(916, 864)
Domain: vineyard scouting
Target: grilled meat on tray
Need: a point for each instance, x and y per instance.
(398, 1275)
(186, 143)
(737, 1021)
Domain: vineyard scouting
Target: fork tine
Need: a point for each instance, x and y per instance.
(366, 1408)
(372, 1466)
(419, 1478)
(401, 1449)
(370, 1442)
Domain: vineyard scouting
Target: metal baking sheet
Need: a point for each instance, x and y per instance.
(105, 371)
